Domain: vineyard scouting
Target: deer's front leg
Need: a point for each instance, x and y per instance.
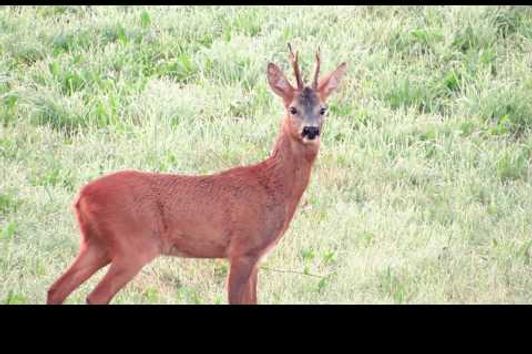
(252, 285)
(242, 280)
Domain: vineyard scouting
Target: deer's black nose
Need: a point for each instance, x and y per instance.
(310, 132)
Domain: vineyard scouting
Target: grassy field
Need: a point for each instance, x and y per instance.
(422, 191)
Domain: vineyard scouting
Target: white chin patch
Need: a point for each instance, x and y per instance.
(306, 140)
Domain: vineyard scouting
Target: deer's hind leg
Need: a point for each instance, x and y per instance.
(127, 261)
(91, 257)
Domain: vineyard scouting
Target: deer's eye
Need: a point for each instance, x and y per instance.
(323, 110)
(293, 110)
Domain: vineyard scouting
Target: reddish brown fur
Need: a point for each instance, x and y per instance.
(130, 217)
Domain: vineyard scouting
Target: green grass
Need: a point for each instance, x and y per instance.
(422, 191)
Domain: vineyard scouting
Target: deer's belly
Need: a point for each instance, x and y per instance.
(196, 240)
(189, 247)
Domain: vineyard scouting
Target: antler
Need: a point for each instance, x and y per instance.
(297, 73)
(317, 71)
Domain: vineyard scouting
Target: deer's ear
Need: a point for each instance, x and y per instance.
(330, 82)
(279, 83)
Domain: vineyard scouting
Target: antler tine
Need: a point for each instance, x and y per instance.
(317, 71)
(295, 66)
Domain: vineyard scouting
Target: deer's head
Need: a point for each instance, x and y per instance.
(305, 105)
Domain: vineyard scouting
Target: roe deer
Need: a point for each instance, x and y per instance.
(130, 217)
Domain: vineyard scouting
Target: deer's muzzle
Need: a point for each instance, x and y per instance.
(310, 132)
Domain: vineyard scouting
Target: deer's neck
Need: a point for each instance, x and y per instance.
(290, 165)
